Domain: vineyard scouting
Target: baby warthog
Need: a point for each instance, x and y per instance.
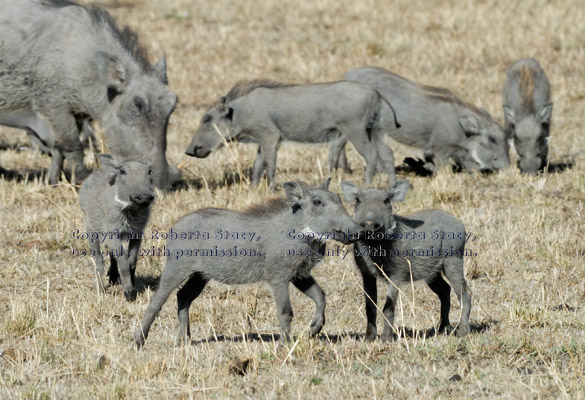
(404, 249)
(268, 113)
(435, 120)
(116, 202)
(277, 242)
(528, 110)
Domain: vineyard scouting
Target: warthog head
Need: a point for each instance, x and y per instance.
(322, 211)
(215, 128)
(133, 180)
(486, 144)
(373, 207)
(137, 113)
(531, 137)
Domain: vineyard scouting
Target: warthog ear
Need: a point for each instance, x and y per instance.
(509, 114)
(294, 191)
(110, 70)
(325, 185)
(109, 161)
(398, 191)
(350, 191)
(225, 109)
(161, 69)
(545, 113)
(223, 101)
(470, 125)
(110, 164)
(111, 73)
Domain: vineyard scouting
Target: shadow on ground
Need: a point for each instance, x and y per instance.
(339, 338)
(558, 167)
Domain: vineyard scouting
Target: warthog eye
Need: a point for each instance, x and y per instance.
(150, 171)
(122, 171)
(492, 140)
(206, 118)
(139, 105)
(317, 202)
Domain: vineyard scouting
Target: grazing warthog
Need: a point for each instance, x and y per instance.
(116, 202)
(61, 64)
(404, 249)
(528, 110)
(433, 119)
(277, 242)
(267, 113)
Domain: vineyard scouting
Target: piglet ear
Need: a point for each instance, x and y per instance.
(509, 114)
(223, 104)
(398, 191)
(350, 191)
(470, 125)
(545, 113)
(294, 191)
(109, 162)
(325, 185)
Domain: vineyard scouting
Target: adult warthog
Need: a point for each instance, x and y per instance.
(433, 119)
(61, 64)
(528, 110)
(268, 112)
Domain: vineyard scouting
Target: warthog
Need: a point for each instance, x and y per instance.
(61, 64)
(404, 249)
(433, 119)
(116, 202)
(528, 110)
(277, 242)
(267, 113)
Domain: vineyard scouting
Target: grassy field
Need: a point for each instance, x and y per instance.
(59, 339)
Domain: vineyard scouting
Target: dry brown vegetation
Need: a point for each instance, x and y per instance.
(59, 339)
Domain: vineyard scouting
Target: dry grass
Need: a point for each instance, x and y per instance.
(59, 339)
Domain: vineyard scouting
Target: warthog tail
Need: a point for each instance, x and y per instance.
(396, 123)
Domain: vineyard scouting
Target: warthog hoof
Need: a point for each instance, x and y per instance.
(371, 334)
(130, 295)
(139, 338)
(445, 329)
(463, 331)
(388, 336)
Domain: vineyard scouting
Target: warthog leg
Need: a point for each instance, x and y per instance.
(391, 295)
(258, 168)
(281, 295)
(185, 297)
(371, 295)
(269, 147)
(309, 287)
(171, 278)
(443, 290)
(133, 247)
(454, 272)
(99, 262)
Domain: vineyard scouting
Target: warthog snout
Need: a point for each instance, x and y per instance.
(143, 199)
(531, 165)
(197, 151)
(371, 226)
